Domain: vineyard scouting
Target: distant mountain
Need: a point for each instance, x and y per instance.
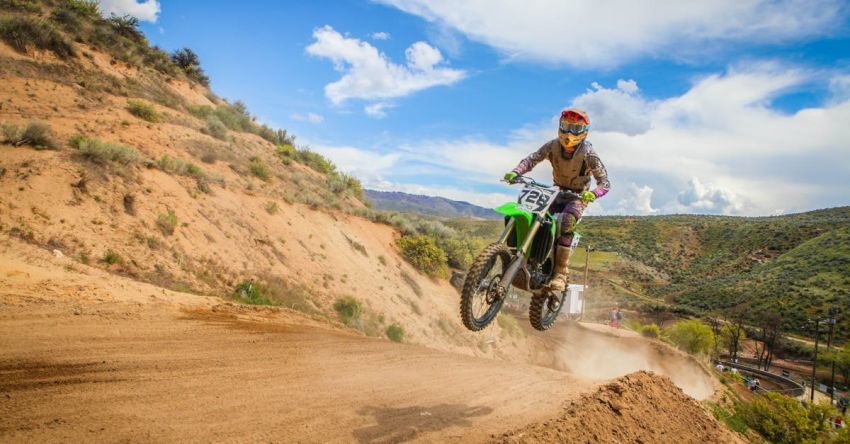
(430, 205)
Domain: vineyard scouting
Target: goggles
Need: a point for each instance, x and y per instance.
(573, 128)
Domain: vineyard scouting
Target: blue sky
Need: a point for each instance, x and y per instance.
(723, 107)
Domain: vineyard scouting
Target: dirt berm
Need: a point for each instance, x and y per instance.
(640, 408)
(90, 356)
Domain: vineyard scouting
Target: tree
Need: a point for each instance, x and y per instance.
(770, 329)
(659, 312)
(188, 61)
(731, 336)
(693, 336)
(716, 325)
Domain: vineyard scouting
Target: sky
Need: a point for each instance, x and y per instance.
(738, 107)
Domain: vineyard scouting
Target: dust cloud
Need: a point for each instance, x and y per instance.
(596, 355)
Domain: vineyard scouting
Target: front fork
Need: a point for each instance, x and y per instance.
(521, 253)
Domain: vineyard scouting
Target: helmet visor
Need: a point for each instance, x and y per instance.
(572, 128)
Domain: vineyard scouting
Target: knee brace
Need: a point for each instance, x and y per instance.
(568, 227)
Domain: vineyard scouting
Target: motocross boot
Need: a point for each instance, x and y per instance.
(562, 272)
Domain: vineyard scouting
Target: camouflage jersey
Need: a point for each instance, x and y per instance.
(573, 171)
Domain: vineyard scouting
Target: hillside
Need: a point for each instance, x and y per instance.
(793, 265)
(428, 205)
(171, 269)
(119, 158)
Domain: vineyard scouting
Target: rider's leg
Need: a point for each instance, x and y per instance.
(569, 219)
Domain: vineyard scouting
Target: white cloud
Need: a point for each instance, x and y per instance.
(309, 117)
(605, 33)
(380, 35)
(147, 10)
(637, 200)
(709, 198)
(718, 148)
(368, 74)
(839, 88)
(368, 166)
(621, 109)
(376, 110)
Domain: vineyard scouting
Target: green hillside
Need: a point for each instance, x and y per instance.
(795, 265)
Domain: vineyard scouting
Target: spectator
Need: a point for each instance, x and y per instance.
(612, 317)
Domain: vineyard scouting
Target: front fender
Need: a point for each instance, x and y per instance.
(523, 220)
(511, 209)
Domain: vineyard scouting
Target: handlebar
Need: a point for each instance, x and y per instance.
(529, 181)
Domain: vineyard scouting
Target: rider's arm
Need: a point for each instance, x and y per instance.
(599, 173)
(525, 165)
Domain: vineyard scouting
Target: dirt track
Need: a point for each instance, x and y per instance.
(81, 361)
(205, 375)
(88, 356)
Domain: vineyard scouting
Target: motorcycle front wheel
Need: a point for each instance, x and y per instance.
(480, 300)
(544, 310)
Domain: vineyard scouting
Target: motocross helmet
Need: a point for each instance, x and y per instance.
(573, 127)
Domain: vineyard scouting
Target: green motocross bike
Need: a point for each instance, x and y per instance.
(523, 256)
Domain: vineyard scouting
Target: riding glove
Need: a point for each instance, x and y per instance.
(588, 197)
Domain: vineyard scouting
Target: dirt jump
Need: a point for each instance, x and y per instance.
(88, 356)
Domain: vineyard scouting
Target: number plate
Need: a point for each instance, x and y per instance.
(535, 200)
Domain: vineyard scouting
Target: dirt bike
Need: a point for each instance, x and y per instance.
(523, 257)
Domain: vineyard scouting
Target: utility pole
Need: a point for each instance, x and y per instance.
(832, 312)
(815, 361)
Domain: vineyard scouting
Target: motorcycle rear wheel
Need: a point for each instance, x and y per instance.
(544, 310)
(479, 299)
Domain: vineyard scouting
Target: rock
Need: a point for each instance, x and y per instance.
(58, 253)
(457, 279)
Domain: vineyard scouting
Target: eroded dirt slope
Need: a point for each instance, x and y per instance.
(90, 356)
(95, 357)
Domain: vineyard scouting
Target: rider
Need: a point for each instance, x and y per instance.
(573, 162)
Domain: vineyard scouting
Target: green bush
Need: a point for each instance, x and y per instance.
(348, 308)
(39, 135)
(395, 332)
(251, 293)
(650, 331)
(167, 222)
(781, 419)
(143, 111)
(111, 258)
(126, 26)
(424, 255)
(10, 133)
(85, 8)
(286, 153)
(177, 166)
(101, 152)
(272, 207)
(315, 161)
(215, 128)
(20, 5)
(259, 169)
(188, 61)
(692, 336)
(20, 32)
